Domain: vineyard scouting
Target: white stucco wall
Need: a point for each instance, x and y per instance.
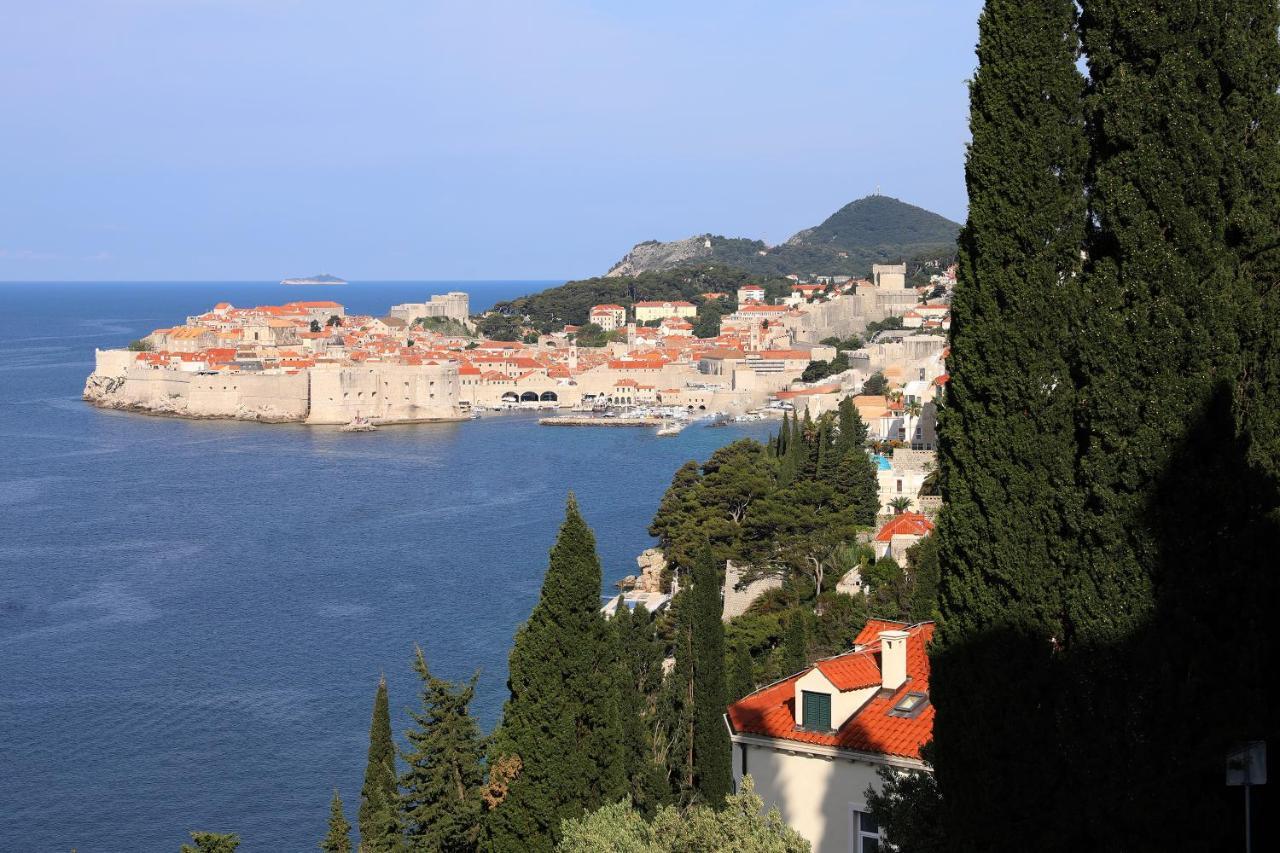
(814, 793)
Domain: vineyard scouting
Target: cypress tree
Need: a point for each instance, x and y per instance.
(857, 488)
(562, 718)
(795, 643)
(382, 833)
(1164, 605)
(853, 431)
(441, 803)
(1007, 440)
(702, 641)
(338, 840)
(742, 679)
(640, 676)
(380, 768)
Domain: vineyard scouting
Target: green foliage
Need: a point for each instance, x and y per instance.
(641, 655)
(382, 832)
(819, 370)
(563, 717)
(876, 384)
(741, 669)
(140, 345)
(334, 321)
(907, 805)
(379, 788)
(795, 643)
(1108, 504)
(591, 335)
(338, 839)
(447, 326)
(212, 842)
(501, 327)
(737, 827)
(702, 765)
(315, 326)
(850, 343)
(440, 803)
(571, 303)
(885, 325)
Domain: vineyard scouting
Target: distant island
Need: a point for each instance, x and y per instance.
(323, 278)
(876, 229)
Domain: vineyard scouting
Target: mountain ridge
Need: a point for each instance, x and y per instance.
(872, 229)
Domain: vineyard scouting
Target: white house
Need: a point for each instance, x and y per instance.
(649, 311)
(750, 293)
(608, 317)
(813, 742)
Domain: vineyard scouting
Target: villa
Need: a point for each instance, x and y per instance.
(814, 742)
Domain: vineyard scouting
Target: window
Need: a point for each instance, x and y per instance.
(910, 705)
(866, 833)
(816, 710)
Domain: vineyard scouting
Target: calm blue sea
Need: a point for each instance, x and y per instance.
(194, 615)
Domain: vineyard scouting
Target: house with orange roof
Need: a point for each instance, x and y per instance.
(899, 534)
(608, 317)
(813, 742)
(750, 293)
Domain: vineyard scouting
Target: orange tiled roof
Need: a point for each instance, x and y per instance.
(771, 711)
(906, 524)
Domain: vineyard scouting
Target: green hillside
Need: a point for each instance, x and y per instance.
(569, 303)
(875, 229)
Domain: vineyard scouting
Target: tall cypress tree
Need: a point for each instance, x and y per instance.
(380, 768)
(742, 677)
(853, 431)
(1163, 609)
(640, 675)
(700, 668)
(338, 839)
(795, 643)
(441, 803)
(562, 718)
(1007, 440)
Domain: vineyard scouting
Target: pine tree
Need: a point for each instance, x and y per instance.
(1007, 436)
(440, 802)
(380, 768)
(562, 718)
(338, 839)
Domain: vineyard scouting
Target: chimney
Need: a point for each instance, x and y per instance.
(893, 659)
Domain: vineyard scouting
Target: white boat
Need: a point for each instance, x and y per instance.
(671, 428)
(359, 424)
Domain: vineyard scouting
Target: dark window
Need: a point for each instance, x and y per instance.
(816, 710)
(866, 833)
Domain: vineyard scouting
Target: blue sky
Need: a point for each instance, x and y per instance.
(413, 139)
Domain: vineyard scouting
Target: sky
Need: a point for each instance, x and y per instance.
(485, 139)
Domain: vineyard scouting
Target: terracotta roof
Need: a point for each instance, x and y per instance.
(771, 712)
(906, 524)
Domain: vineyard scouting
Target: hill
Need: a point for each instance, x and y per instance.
(875, 229)
(570, 302)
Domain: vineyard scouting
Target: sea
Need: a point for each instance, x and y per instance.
(194, 615)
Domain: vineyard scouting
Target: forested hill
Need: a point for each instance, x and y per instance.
(569, 303)
(875, 229)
